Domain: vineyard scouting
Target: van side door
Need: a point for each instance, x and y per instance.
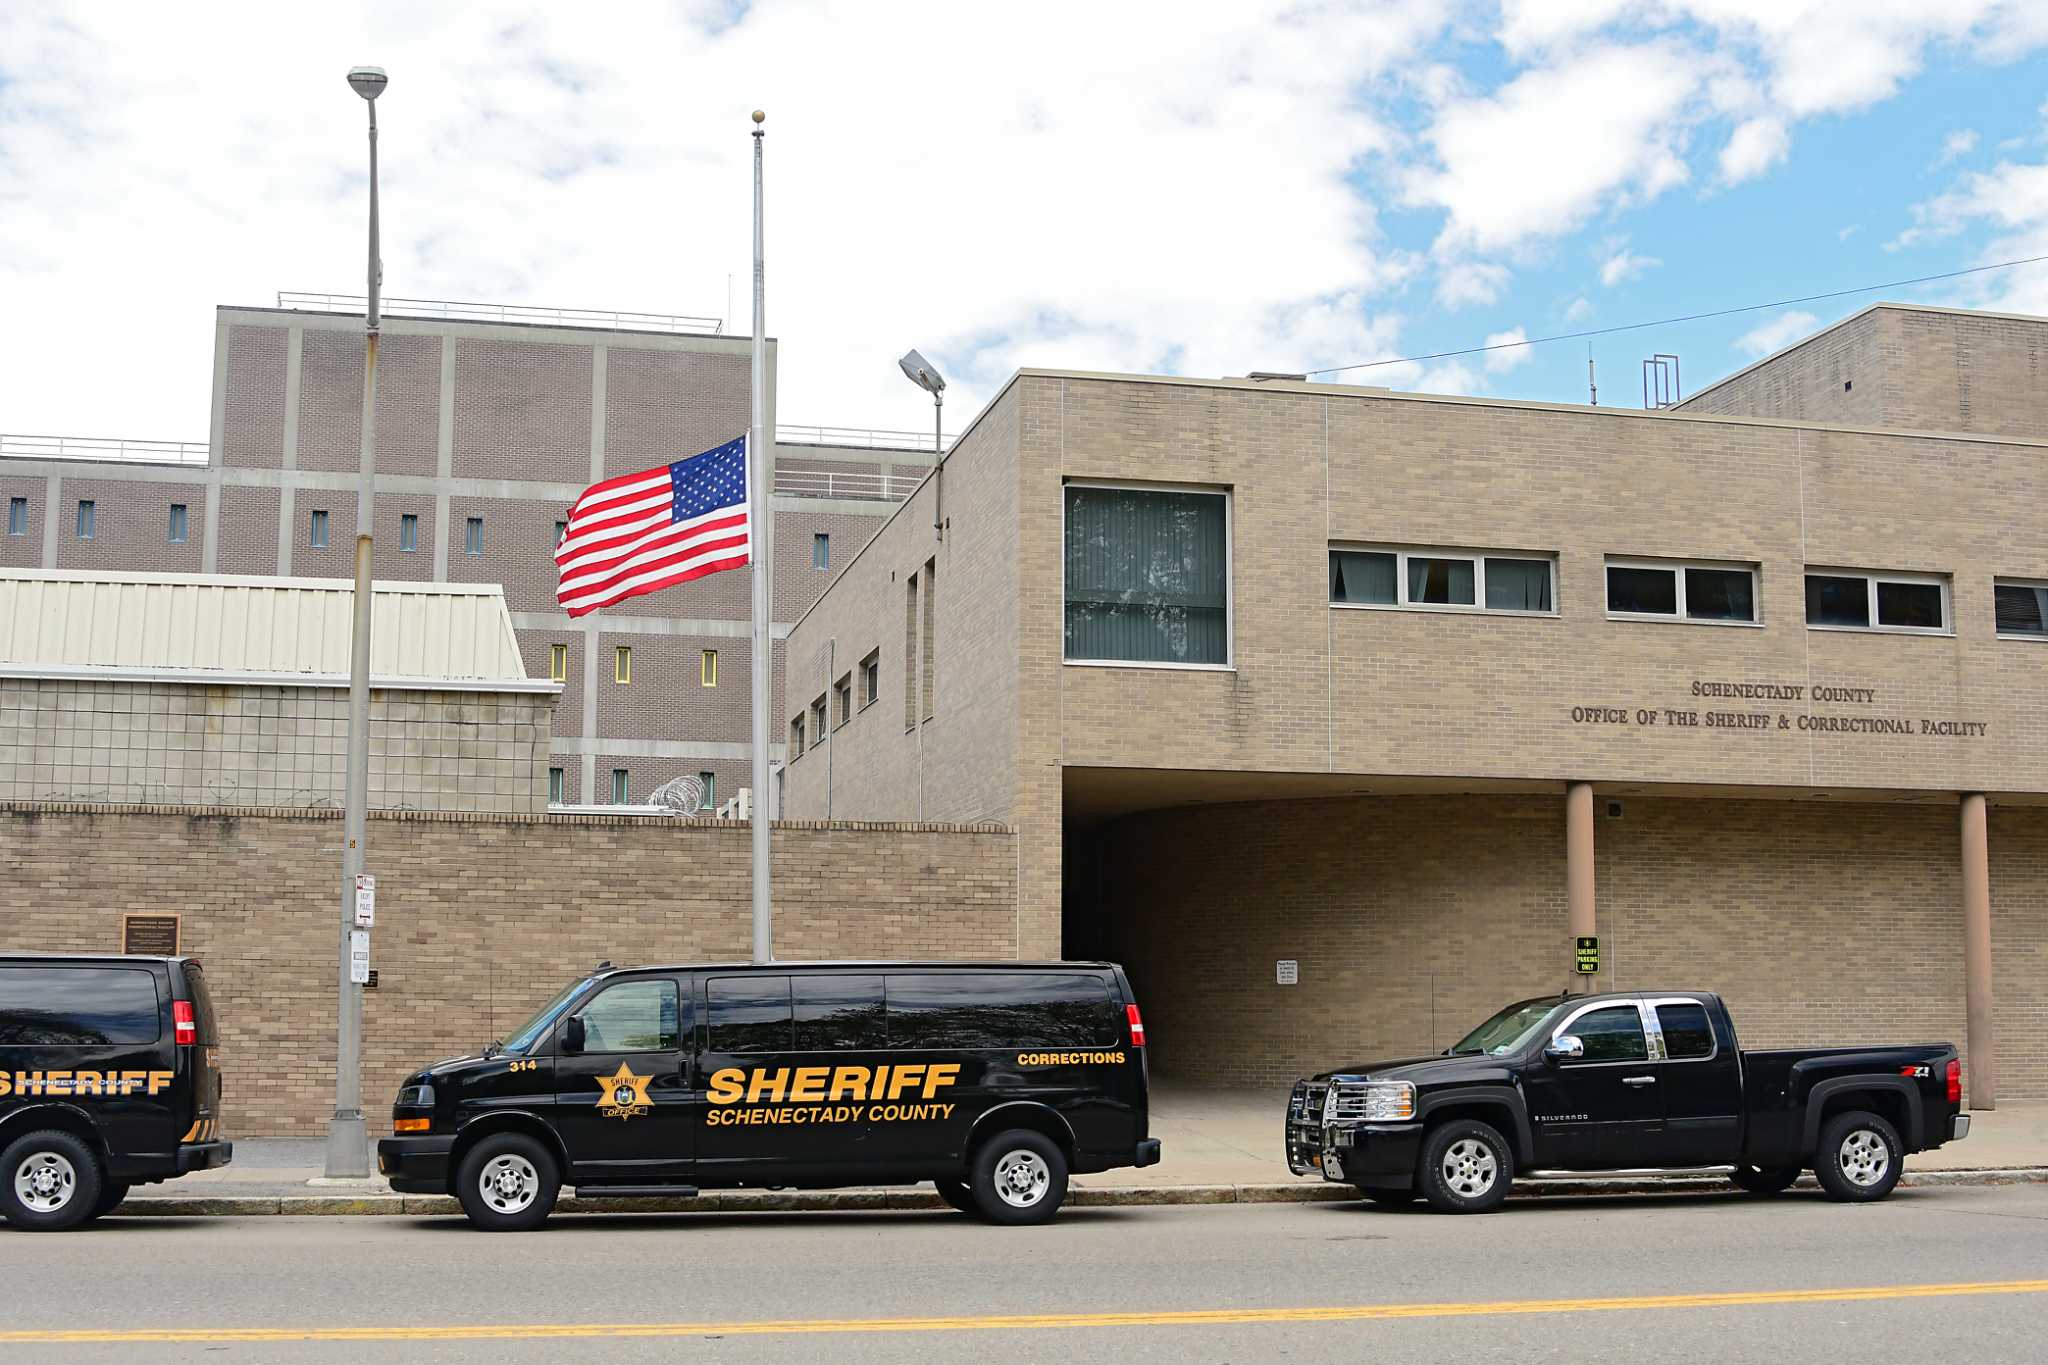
(623, 1101)
(97, 1037)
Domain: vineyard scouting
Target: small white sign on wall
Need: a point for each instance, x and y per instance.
(1287, 972)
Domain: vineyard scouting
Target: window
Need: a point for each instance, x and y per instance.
(821, 551)
(408, 533)
(910, 654)
(839, 1013)
(176, 532)
(17, 516)
(1442, 578)
(473, 535)
(1147, 576)
(818, 728)
(930, 676)
(870, 678)
(558, 787)
(558, 663)
(747, 1014)
(622, 664)
(316, 530)
(709, 782)
(796, 739)
(1851, 601)
(1611, 1035)
(1000, 1009)
(2020, 609)
(85, 519)
(707, 668)
(77, 1006)
(842, 699)
(634, 1016)
(1681, 592)
(622, 779)
(1687, 1034)
(561, 530)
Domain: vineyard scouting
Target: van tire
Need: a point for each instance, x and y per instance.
(1019, 1177)
(65, 1178)
(112, 1193)
(957, 1195)
(508, 1182)
(1858, 1158)
(1467, 1167)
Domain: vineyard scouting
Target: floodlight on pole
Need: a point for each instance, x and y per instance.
(926, 376)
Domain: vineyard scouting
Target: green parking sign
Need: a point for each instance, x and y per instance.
(1588, 954)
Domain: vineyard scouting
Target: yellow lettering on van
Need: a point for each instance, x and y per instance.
(905, 1077)
(767, 1085)
(809, 1084)
(161, 1080)
(85, 1083)
(940, 1074)
(875, 1091)
(849, 1083)
(727, 1085)
(6, 1085)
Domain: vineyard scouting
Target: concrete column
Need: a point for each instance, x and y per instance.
(1578, 861)
(1983, 1060)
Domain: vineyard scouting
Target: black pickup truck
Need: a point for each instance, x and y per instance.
(1649, 1081)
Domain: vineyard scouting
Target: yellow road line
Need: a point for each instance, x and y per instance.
(1209, 1317)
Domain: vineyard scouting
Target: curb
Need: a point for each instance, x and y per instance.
(1080, 1196)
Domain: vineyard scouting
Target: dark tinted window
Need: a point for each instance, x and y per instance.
(1000, 1009)
(1612, 1035)
(1686, 1031)
(77, 1006)
(1909, 604)
(633, 1016)
(839, 1013)
(1720, 595)
(2020, 609)
(747, 1014)
(1832, 601)
(1649, 592)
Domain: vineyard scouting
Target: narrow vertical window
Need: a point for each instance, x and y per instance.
(622, 664)
(931, 635)
(176, 533)
(558, 663)
(842, 700)
(561, 530)
(85, 519)
(17, 516)
(710, 781)
(558, 785)
(621, 786)
(316, 530)
(707, 668)
(910, 654)
(408, 533)
(473, 536)
(821, 551)
(871, 677)
(796, 739)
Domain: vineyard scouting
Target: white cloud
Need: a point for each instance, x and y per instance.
(1775, 335)
(1515, 350)
(1579, 310)
(2011, 201)
(1843, 234)
(1961, 142)
(1756, 145)
(1624, 265)
(1470, 282)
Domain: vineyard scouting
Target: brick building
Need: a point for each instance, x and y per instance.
(1414, 690)
(488, 426)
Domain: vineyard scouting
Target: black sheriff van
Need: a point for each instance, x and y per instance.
(108, 1079)
(993, 1080)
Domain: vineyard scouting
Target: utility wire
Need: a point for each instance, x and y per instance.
(1689, 317)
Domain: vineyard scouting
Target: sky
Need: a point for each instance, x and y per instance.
(1185, 188)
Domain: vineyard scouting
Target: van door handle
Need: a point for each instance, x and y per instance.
(1638, 1080)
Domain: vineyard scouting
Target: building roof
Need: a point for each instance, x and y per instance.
(251, 630)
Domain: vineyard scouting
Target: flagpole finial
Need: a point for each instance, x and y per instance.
(760, 116)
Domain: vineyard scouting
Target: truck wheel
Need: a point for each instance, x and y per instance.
(49, 1181)
(1466, 1167)
(1764, 1180)
(1859, 1157)
(111, 1195)
(957, 1195)
(1019, 1177)
(508, 1183)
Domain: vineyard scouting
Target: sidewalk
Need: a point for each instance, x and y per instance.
(1219, 1146)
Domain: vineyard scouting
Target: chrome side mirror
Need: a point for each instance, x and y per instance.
(1565, 1048)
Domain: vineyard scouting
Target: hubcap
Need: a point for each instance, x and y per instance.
(45, 1182)
(1865, 1157)
(1022, 1178)
(1469, 1168)
(509, 1184)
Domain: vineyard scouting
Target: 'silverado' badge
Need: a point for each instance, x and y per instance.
(623, 1095)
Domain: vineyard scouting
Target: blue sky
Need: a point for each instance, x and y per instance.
(1188, 187)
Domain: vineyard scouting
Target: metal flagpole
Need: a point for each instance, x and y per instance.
(758, 465)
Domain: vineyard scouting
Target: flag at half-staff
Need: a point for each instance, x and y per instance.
(638, 533)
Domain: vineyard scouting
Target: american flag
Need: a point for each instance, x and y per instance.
(641, 532)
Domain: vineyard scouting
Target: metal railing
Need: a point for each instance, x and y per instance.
(863, 438)
(101, 448)
(822, 483)
(504, 312)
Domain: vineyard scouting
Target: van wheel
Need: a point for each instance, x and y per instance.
(1466, 1167)
(957, 1195)
(1019, 1177)
(1858, 1159)
(49, 1181)
(508, 1183)
(1764, 1180)
(111, 1195)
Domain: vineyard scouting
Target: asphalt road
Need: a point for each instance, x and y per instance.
(1936, 1273)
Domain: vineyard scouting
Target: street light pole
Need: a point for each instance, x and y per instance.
(926, 376)
(348, 1144)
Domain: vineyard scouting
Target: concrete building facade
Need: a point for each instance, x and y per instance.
(1411, 691)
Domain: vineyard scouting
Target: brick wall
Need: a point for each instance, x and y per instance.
(1823, 924)
(479, 921)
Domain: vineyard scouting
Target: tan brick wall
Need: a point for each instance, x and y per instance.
(1844, 374)
(1412, 918)
(478, 921)
(25, 551)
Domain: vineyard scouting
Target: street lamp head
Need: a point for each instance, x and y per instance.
(922, 373)
(367, 81)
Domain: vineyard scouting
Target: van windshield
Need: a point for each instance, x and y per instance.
(1508, 1030)
(534, 1029)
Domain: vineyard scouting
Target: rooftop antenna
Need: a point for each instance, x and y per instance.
(1590, 384)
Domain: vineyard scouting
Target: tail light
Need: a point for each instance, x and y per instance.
(1137, 1025)
(183, 1025)
(1955, 1080)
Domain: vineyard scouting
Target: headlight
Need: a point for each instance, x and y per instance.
(416, 1096)
(1389, 1100)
